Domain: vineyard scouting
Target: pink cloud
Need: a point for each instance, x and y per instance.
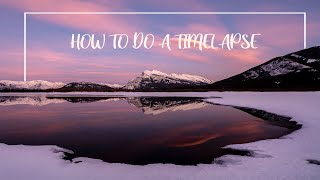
(214, 27)
(192, 5)
(247, 56)
(52, 65)
(278, 31)
(93, 23)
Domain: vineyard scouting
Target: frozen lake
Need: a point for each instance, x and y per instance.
(292, 156)
(135, 130)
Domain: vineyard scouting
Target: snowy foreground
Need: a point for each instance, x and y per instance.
(284, 158)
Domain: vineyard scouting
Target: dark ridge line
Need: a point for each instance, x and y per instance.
(313, 161)
(274, 119)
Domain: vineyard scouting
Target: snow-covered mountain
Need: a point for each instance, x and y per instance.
(39, 85)
(29, 85)
(156, 80)
(294, 71)
(115, 86)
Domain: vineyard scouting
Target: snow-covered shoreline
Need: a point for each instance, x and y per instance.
(284, 158)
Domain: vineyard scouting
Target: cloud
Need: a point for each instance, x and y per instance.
(277, 31)
(93, 23)
(177, 5)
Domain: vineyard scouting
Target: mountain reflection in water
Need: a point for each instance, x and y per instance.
(136, 130)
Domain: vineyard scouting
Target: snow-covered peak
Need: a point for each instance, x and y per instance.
(153, 72)
(115, 86)
(30, 85)
(276, 67)
(192, 78)
(157, 80)
(186, 77)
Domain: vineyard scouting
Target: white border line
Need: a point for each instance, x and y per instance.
(25, 47)
(159, 13)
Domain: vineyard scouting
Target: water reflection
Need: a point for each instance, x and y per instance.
(135, 130)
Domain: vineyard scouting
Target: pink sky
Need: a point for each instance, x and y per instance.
(51, 58)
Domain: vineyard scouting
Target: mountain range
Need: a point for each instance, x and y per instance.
(29, 85)
(295, 71)
(148, 81)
